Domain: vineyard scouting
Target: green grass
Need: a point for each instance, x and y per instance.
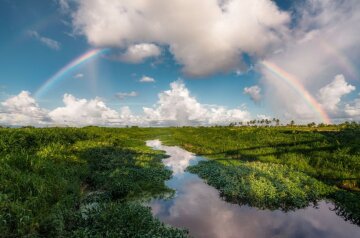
(279, 167)
(93, 182)
(332, 156)
(262, 185)
(48, 177)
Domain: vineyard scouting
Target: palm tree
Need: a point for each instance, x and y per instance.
(292, 123)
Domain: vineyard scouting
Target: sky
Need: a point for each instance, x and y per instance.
(179, 62)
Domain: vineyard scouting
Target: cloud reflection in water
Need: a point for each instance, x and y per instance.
(198, 208)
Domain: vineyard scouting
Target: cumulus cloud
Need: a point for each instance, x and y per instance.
(123, 95)
(83, 112)
(254, 92)
(53, 44)
(321, 45)
(203, 41)
(353, 109)
(147, 79)
(22, 109)
(139, 52)
(174, 107)
(330, 95)
(177, 107)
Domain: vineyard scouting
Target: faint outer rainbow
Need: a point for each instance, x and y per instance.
(66, 69)
(294, 83)
(340, 57)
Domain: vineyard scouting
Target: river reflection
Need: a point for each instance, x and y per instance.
(198, 208)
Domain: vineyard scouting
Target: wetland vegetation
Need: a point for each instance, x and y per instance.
(90, 182)
(280, 167)
(95, 182)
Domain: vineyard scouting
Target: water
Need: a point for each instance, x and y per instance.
(198, 208)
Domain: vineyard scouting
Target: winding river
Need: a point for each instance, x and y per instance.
(198, 208)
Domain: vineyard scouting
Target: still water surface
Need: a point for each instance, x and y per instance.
(198, 208)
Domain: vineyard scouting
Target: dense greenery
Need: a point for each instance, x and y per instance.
(93, 182)
(279, 167)
(79, 182)
(262, 185)
(331, 154)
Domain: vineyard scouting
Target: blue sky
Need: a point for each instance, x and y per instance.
(27, 63)
(38, 38)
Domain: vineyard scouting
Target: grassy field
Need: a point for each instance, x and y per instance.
(90, 182)
(279, 167)
(93, 182)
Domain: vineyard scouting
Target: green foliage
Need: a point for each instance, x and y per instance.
(347, 205)
(310, 158)
(331, 155)
(121, 220)
(90, 182)
(263, 185)
(48, 176)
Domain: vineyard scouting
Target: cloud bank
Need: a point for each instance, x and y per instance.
(175, 107)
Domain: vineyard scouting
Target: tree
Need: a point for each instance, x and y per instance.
(312, 124)
(277, 122)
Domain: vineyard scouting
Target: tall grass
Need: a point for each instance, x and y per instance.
(279, 167)
(90, 182)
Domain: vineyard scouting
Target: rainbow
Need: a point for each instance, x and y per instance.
(340, 57)
(66, 69)
(294, 83)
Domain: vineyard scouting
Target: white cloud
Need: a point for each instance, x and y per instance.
(78, 76)
(177, 107)
(263, 117)
(83, 112)
(254, 92)
(22, 109)
(139, 52)
(147, 79)
(322, 44)
(353, 109)
(330, 95)
(123, 95)
(204, 36)
(53, 44)
(174, 107)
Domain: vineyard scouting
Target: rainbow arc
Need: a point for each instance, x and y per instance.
(296, 85)
(59, 75)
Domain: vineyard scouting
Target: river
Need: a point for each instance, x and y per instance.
(198, 208)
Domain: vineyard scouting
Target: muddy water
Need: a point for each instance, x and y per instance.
(198, 208)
